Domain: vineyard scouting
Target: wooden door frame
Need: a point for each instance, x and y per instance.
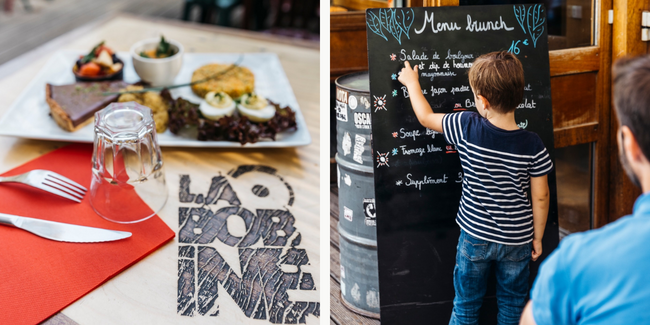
(626, 41)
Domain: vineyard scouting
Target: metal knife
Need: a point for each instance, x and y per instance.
(62, 231)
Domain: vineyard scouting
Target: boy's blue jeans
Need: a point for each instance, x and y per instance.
(473, 259)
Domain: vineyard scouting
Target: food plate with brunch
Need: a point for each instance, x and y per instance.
(234, 109)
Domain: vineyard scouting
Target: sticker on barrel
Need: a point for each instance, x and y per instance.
(369, 212)
(347, 213)
(341, 105)
(352, 102)
(346, 144)
(359, 142)
(341, 112)
(362, 120)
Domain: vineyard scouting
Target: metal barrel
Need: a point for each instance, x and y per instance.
(358, 238)
(359, 277)
(355, 179)
(353, 131)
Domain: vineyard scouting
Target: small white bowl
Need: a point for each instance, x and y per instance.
(157, 72)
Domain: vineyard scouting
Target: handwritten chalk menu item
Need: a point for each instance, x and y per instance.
(418, 176)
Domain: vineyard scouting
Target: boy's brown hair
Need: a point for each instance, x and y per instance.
(499, 77)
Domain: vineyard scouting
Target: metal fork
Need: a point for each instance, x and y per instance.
(51, 182)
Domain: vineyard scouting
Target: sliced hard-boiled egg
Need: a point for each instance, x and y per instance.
(217, 105)
(256, 108)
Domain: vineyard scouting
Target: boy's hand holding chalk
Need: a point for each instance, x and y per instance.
(409, 76)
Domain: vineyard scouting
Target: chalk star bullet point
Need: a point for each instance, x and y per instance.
(394, 92)
(393, 76)
(394, 152)
(394, 134)
(393, 57)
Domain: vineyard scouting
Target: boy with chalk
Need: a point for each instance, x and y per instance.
(499, 223)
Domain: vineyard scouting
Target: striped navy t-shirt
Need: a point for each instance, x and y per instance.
(497, 166)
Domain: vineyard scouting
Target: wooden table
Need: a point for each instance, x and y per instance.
(146, 293)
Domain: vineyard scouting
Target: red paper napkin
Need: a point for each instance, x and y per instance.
(39, 277)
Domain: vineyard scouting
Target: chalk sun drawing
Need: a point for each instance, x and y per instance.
(380, 103)
(393, 21)
(382, 159)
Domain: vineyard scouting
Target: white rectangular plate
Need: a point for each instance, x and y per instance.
(28, 116)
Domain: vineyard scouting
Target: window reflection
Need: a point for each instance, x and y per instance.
(573, 173)
(569, 22)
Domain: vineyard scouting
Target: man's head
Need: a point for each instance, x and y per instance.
(498, 77)
(632, 103)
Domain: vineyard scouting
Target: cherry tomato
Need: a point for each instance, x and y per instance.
(90, 69)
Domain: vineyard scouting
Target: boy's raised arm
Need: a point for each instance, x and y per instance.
(409, 78)
(540, 200)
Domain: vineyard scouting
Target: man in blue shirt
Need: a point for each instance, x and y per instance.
(603, 276)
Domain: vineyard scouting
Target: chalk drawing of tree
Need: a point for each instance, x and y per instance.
(535, 22)
(396, 22)
(402, 21)
(520, 14)
(373, 22)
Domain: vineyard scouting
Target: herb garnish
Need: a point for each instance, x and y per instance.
(88, 57)
(164, 48)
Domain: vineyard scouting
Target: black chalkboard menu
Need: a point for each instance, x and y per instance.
(417, 174)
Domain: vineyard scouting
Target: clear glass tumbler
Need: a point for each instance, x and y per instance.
(127, 165)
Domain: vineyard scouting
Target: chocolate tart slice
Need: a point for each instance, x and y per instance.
(74, 105)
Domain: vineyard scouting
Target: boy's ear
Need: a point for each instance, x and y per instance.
(483, 100)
